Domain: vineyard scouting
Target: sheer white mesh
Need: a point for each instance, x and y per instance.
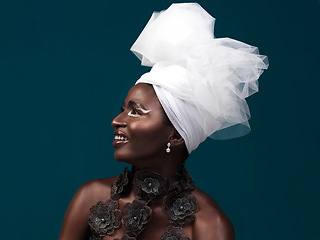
(201, 81)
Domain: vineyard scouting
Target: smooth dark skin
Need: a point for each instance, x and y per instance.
(148, 135)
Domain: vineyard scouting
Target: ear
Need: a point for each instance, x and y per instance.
(175, 138)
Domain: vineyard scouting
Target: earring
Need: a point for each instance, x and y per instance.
(168, 150)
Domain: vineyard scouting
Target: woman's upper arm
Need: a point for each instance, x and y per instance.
(75, 223)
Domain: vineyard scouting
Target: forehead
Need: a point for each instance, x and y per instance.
(144, 94)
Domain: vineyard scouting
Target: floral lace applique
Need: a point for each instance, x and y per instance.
(120, 186)
(174, 233)
(105, 217)
(180, 207)
(150, 186)
(135, 216)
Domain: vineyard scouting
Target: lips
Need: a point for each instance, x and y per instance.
(119, 138)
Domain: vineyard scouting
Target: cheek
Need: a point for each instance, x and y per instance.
(151, 131)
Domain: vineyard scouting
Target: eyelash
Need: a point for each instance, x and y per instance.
(133, 112)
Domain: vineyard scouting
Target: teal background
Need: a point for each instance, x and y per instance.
(65, 68)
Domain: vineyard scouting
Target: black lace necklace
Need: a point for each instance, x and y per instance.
(179, 205)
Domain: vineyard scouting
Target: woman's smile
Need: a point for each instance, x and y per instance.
(119, 138)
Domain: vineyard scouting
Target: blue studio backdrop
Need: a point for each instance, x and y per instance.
(65, 68)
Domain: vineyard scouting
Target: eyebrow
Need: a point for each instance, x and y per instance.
(131, 102)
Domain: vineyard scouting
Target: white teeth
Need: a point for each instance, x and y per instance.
(118, 137)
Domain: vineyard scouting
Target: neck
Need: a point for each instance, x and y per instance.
(165, 164)
(165, 169)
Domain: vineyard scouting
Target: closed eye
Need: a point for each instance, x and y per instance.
(134, 111)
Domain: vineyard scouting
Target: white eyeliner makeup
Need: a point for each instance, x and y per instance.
(144, 111)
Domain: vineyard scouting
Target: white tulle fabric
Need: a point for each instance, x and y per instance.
(201, 81)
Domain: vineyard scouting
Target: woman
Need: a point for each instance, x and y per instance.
(195, 89)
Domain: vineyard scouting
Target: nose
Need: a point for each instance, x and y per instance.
(119, 121)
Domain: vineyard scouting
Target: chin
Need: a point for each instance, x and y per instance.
(138, 161)
(122, 157)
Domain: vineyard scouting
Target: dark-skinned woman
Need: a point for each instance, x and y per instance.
(196, 89)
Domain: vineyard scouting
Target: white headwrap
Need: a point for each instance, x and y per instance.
(201, 81)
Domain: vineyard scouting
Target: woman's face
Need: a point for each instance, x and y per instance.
(141, 133)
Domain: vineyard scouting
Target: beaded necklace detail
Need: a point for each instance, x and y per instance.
(179, 205)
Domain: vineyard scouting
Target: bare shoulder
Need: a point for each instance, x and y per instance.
(95, 190)
(211, 223)
(74, 224)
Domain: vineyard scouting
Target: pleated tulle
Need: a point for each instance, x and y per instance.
(201, 81)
